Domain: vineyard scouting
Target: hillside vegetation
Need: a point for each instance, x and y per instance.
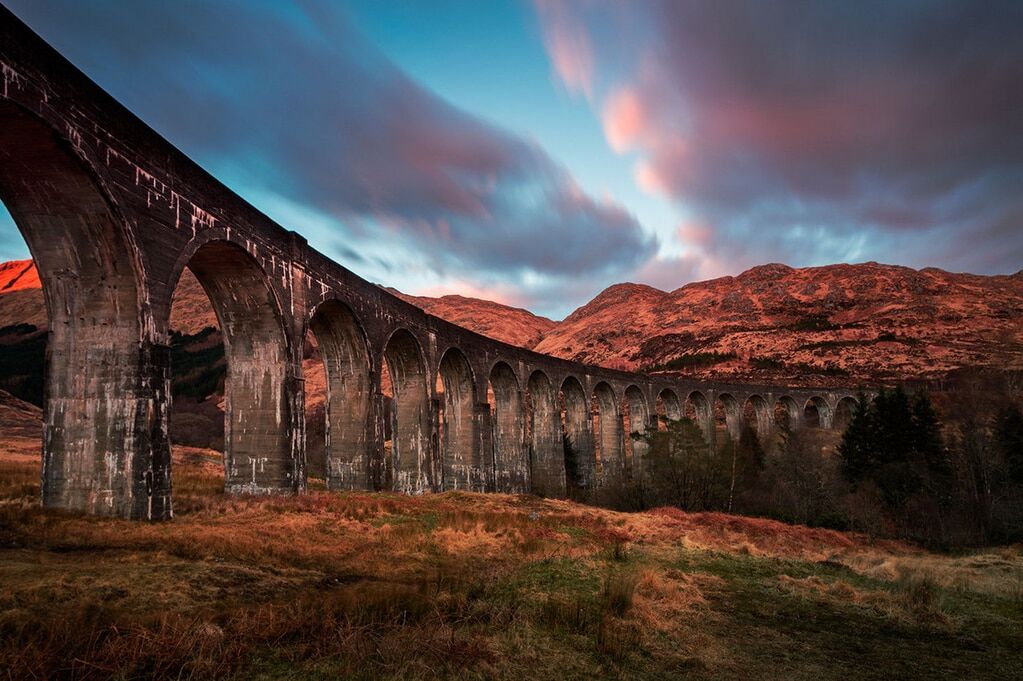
(456, 585)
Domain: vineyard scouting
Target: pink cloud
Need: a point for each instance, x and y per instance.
(695, 233)
(568, 44)
(504, 295)
(625, 119)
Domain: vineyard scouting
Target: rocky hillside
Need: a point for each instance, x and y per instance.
(833, 324)
(509, 324)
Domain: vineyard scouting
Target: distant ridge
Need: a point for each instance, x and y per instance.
(834, 323)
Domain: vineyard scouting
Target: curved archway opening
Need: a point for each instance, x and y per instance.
(259, 454)
(698, 410)
(757, 415)
(636, 418)
(407, 467)
(727, 416)
(669, 408)
(511, 469)
(104, 394)
(786, 413)
(461, 467)
(576, 437)
(844, 411)
(546, 451)
(342, 454)
(607, 429)
(816, 413)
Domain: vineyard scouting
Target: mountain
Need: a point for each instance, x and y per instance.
(21, 300)
(833, 324)
(509, 324)
(836, 323)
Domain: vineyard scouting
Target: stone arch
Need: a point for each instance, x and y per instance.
(844, 410)
(408, 469)
(105, 448)
(668, 406)
(698, 409)
(786, 413)
(728, 413)
(261, 454)
(511, 469)
(757, 414)
(816, 413)
(607, 431)
(344, 350)
(546, 452)
(461, 467)
(637, 419)
(575, 428)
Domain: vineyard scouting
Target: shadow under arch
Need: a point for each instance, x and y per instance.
(409, 467)
(816, 413)
(511, 469)
(607, 430)
(756, 414)
(845, 408)
(669, 407)
(575, 429)
(262, 447)
(728, 414)
(698, 410)
(786, 413)
(636, 419)
(461, 464)
(344, 350)
(546, 448)
(105, 448)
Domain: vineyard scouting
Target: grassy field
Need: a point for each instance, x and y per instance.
(479, 586)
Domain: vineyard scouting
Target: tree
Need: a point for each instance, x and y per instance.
(857, 446)
(1009, 442)
(747, 460)
(894, 444)
(679, 468)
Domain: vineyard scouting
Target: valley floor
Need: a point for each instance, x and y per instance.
(363, 585)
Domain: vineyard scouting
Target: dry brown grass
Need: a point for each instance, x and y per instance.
(376, 585)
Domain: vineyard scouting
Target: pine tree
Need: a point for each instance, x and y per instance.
(857, 446)
(1009, 440)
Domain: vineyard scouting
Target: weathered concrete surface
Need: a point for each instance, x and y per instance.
(113, 214)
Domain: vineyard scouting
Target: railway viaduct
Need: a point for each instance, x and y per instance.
(113, 213)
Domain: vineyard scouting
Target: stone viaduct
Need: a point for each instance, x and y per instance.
(113, 213)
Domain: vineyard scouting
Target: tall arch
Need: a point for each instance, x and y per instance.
(757, 414)
(669, 407)
(844, 410)
(728, 413)
(347, 364)
(260, 455)
(786, 413)
(461, 467)
(637, 420)
(409, 469)
(817, 413)
(607, 430)
(575, 427)
(547, 452)
(511, 466)
(105, 448)
(698, 409)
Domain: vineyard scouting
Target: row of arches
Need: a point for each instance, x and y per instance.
(110, 244)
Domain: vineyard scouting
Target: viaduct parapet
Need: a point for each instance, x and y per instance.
(113, 213)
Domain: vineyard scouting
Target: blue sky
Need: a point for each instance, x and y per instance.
(536, 152)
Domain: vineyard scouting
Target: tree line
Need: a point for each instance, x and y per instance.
(944, 470)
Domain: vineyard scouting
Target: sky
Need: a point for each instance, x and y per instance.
(534, 153)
